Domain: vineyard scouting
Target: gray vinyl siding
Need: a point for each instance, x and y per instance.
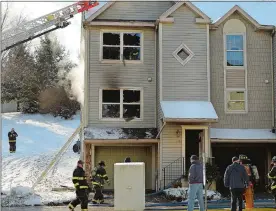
(187, 82)
(103, 75)
(259, 69)
(274, 68)
(135, 10)
(235, 78)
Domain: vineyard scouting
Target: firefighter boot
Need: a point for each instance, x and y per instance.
(71, 207)
(249, 198)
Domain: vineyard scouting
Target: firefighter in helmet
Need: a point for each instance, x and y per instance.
(272, 177)
(99, 177)
(82, 188)
(249, 189)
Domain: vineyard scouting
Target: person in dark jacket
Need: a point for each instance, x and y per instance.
(127, 160)
(98, 180)
(12, 140)
(272, 176)
(236, 179)
(195, 184)
(82, 188)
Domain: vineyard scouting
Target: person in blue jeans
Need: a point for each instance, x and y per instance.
(195, 184)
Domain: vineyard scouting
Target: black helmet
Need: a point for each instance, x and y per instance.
(274, 159)
(127, 160)
(102, 163)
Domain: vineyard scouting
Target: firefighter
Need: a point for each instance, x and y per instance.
(272, 177)
(12, 140)
(82, 188)
(249, 191)
(98, 179)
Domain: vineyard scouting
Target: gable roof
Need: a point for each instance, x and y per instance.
(190, 5)
(100, 11)
(238, 9)
(164, 15)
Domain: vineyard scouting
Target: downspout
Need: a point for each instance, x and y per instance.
(208, 63)
(273, 78)
(161, 130)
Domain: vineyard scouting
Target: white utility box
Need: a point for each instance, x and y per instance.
(129, 186)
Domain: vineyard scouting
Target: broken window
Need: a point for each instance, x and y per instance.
(132, 46)
(111, 46)
(123, 104)
(111, 104)
(119, 46)
(131, 104)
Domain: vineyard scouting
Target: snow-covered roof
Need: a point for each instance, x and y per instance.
(242, 134)
(120, 133)
(188, 110)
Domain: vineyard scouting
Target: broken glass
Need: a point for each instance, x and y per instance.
(131, 53)
(111, 111)
(131, 96)
(132, 39)
(111, 39)
(131, 111)
(111, 53)
(111, 96)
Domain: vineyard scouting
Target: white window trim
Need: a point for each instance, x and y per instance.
(121, 47)
(227, 92)
(185, 47)
(244, 51)
(121, 119)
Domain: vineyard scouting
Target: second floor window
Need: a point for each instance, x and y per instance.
(120, 104)
(234, 50)
(121, 46)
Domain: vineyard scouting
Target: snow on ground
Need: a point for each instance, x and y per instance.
(40, 137)
(183, 193)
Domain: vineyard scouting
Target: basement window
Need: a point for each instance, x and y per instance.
(121, 46)
(120, 104)
(183, 54)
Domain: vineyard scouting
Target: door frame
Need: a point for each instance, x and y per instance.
(205, 139)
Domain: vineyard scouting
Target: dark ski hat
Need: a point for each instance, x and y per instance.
(194, 157)
(234, 159)
(80, 162)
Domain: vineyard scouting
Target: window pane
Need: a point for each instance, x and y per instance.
(111, 39)
(234, 42)
(111, 96)
(111, 53)
(236, 106)
(183, 54)
(131, 53)
(234, 58)
(111, 111)
(131, 111)
(237, 96)
(132, 39)
(131, 96)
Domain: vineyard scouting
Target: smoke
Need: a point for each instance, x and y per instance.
(76, 77)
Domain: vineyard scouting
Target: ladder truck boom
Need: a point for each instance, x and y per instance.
(44, 24)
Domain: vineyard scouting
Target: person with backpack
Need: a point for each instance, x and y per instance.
(236, 179)
(99, 177)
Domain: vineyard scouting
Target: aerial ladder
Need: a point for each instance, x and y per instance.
(43, 25)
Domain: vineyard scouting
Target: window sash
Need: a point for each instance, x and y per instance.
(229, 50)
(122, 46)
(238, 101)
(121, 103)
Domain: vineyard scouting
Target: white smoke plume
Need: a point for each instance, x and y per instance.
(76, 76)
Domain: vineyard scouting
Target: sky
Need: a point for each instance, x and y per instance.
(263, 12)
